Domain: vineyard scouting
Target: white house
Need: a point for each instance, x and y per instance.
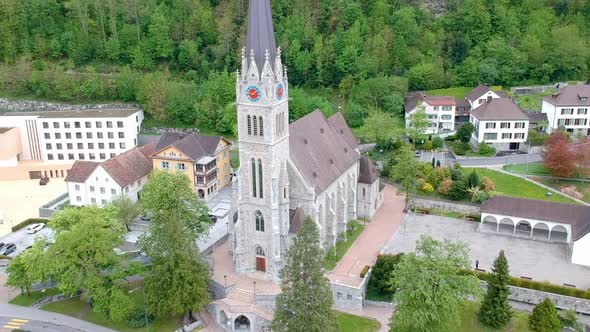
(51, 141)
(99, 183)
(500, 123)
(541, 220)
(439, 109)
(568, 108)
(482, 94)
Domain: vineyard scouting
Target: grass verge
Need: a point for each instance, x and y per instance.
(335, 254)
(581, 187)
(352, 323)
(34, 296)
(470, 323)
(532, 169)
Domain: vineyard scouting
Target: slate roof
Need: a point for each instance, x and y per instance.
(440, 100)
(337, 120)
(195, 146)
(570, 96)
(536, 117)
(130, 166)
(261, 34)
(296, 220)
(578, 216)
(318, 151)
(367, 171)
(463, 103)
(477, 92)
(411, 100)
(499, 109)
(81, 170)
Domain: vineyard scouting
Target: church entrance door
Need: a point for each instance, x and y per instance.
(260, 264)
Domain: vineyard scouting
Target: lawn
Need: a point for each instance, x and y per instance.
(582, 187)
(513, 186)
(28, 300)
(531, 169)
(351, 323)
(457, 92)
(335, 254)
(76, 308)
(149, 122)
(470, 323)
(532, 102)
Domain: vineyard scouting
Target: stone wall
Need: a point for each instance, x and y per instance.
(15, 105)
(534, 297)
(48, 209)
(430, 203)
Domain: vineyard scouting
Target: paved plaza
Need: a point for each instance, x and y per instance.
(541, 261)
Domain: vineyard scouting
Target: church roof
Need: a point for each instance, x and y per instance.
(367, 171)
(261, 34)
(337, 120)
(318, 150)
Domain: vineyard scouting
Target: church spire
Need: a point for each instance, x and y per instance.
(261, 33)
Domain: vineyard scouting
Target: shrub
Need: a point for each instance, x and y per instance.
(461, 148)
(427, 188)
(29, 222)
(458, 191)
(464, 133)
(572, 191)
(473, 179)
(487, 184)
(438, 175)
(537, 138)
(544, 317)
(5, 257)
(427, 145)
(137, 318)
(445, 186)
(457, 175)
(486, 149)
(420, 183)
(478, 196)
(569, 320)
(383, 273)
(365, 270)
(451, 138)
(437, 143)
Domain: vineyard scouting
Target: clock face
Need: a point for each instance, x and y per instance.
(253, 93)
(280, 91)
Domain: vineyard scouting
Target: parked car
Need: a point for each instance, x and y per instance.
(8, 249)
(213, 219)
(44, 181)
(34, 228)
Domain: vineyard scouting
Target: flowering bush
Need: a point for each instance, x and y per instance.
(445, 186)
(427, 188)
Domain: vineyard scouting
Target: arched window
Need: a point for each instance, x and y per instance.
(261, 124)
(285, 193)
(253, 177)
(259, 251)
(255, 126)
(259, 222)
(261, 191)
(249, 125)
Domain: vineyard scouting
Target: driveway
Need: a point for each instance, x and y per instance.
(541, 261)
(372, 240)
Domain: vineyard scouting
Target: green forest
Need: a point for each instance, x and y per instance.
(178, 58)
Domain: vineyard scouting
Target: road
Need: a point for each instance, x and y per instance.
(14, 317)
(426, 156)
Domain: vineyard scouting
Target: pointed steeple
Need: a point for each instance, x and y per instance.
(261, 33)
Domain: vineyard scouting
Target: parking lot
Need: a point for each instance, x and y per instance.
(22, 239)
(541, 261)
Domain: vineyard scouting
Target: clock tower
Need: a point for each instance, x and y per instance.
(263, 135)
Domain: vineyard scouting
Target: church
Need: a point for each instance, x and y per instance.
(309, 167)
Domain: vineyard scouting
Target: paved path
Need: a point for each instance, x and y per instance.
(381, 314)
(68, 323)
(372, 240)
(512, 159)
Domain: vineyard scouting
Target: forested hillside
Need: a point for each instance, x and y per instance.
(178, 57)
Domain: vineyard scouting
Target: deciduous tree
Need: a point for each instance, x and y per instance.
(558, 156)
(465, 131)
(417, 125)
(305, 302)
(405, 170)
(431, 287)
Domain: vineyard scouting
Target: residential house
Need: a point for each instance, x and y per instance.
(500, 123)
(568, 108)
(439, 109)
(50, 142)
(482, 94)
(204, 159)
(98, 183)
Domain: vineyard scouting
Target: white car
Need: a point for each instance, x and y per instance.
(34, 228)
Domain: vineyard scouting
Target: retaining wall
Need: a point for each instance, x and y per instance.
(430, 203)
(13, 105)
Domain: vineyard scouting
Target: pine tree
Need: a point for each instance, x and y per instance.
(495, 310)
(305, 303)
(544, 317)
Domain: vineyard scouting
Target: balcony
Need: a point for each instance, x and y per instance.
(205, 180)
(205, 166)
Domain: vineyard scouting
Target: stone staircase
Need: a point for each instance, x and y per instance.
(242, 301)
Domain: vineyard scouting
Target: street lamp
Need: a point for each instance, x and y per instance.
(145, 315)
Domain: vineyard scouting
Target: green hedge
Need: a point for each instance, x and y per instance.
(541, 286)
(365, 270)
(29, 222)
(5, 257)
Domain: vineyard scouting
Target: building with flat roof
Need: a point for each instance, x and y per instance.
(48, 143)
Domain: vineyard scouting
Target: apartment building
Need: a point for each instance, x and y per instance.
(568, 109)
(204, 159)
(439, 109)
(500, 123)
(50, 142)
(98, 183)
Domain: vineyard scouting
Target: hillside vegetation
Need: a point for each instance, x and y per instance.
(178, 57)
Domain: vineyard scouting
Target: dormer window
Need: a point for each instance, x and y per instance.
(583, 98)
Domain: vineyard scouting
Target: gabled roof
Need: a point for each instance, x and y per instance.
(368, 174)
(570, 96)
(578, 216)
(499, 109)
(296, 220)
(536, 117)
(440, 100)
(318, 150)
(81, 170)
(130, 166)
(337, 120)
(479, 91)
(195, 146)
(411, 100)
